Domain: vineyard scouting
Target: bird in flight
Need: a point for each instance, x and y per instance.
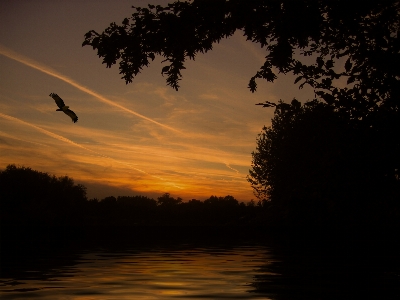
(65, 109)
(267, 104)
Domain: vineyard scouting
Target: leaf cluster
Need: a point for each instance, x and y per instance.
(328, 33)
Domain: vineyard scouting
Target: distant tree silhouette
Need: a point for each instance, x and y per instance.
(109, 200)
(135, 210)
(28, 196)
(167, 200)
(137, 201)
(365, 36)
(221, 201)
(314, 164)
(35, 200)
(251, 203)
(194, 202)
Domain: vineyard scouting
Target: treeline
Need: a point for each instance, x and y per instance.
(29, 197)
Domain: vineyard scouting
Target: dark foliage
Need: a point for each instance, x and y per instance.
(167, 210)
(32, 197)
(364, 37)
(315, 165)
(166, 200)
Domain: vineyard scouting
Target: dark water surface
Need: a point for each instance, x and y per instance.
(192, 270)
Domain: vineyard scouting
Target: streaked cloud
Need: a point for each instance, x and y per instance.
(66, 140)
(33, 64)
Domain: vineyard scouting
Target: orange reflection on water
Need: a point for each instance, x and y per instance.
(154, 274)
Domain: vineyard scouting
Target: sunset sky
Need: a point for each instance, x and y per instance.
(143, 138)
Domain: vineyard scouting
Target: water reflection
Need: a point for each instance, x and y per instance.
(191, 271)
(179, 271)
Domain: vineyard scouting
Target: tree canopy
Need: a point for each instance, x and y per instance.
(313, 165)
(28, 196)
(353, 40)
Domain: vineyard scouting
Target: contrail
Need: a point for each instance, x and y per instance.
(233, 169)
(33, 64)
(17, 139)
(63, 139)
(46, 132)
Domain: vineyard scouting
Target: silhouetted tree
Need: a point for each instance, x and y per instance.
(221, 201)
(137, 201)
(363, 37)
(29, 196)
(109, 200)
(166, 200)
(251, 203)
(314, 164)
(194, 202)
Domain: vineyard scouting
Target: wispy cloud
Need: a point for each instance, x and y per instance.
(18, 139)
(36, 65)
(63, 139)
(233, 169)
(49, 133)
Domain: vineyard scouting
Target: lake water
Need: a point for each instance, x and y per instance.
(179, 270)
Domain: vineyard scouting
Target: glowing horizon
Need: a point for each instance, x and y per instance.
(64, 139)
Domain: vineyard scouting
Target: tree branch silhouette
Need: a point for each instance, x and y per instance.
(365, 35)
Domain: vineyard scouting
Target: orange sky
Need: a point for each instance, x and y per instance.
(141, 138)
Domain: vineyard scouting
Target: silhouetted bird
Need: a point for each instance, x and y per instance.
(65, 109)
(267, 104)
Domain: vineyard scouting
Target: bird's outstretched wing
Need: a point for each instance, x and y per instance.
(267, 104)
(71, 114)
(60, 103)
